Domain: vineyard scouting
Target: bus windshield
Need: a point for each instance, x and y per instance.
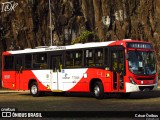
(142, 62)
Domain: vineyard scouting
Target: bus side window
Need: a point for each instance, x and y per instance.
(106, 57)
(68, 62)
(57, 63)
(89, 58)
(19, 63)
(121, 62)
(28, 61)
(40, 60)
(94, 57)
(98, 57)
(74, 59)
(8, 62)
(78, 59)
(115, 61)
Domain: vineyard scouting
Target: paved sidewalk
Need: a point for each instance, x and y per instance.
(10, 91)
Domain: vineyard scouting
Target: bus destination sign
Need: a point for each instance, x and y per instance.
(139, 45)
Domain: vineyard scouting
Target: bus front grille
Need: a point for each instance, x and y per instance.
(146, 88)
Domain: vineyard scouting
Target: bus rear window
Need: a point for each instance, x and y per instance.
(8, 62)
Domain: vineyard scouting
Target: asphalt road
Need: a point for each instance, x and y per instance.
(23, 101)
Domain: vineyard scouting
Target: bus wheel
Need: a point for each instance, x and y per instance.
(98, 90)
(34, 89)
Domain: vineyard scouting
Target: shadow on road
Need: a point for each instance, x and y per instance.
(137, 95)
(146, 94)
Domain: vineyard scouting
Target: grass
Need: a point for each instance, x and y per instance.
(3, 88)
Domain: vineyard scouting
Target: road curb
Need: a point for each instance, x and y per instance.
(12, 91)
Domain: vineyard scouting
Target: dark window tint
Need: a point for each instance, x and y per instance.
(28, 61)
(40, 60)
(74, 58)
(8, 63)
(94, 57)
(106, 57)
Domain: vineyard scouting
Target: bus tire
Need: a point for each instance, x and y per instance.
(34, 89)
(98, 90)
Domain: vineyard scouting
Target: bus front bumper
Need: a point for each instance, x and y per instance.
(135, 88)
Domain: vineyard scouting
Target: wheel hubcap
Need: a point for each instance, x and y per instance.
(34, 89)
(96, 90)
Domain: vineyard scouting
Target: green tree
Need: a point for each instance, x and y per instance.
(83, 37)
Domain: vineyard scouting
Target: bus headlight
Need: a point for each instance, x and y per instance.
(131, 80)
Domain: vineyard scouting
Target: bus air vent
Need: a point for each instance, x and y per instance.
(146, 88)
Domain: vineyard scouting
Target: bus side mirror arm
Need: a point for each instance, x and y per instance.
(127, 57)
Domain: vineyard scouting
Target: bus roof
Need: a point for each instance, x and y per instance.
(69, 47)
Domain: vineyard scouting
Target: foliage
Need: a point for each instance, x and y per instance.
(83, 37)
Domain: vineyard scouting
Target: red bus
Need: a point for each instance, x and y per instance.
(122, 66)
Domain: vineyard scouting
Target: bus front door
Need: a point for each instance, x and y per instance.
(118, 68)
(19, 71)
(56, 66)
